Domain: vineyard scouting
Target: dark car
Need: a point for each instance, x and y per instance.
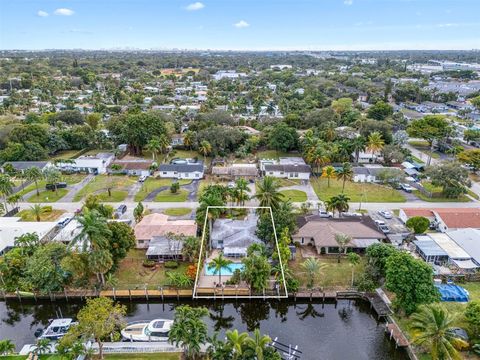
(120, 211)
(59, 185)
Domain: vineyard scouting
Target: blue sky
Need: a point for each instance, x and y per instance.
(240, 24)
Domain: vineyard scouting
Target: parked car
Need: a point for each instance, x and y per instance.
(142, 178)
(380, 222)
(64, 221)
(325, 214)
(59, 185)
(121, 209)
(351, 214)
(407, 188)
(385, 214)
(384, 228)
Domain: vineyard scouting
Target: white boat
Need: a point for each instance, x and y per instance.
(155, 330)
(57, 329)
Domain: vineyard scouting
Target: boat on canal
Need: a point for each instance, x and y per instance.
(56, 329)
(155, 330)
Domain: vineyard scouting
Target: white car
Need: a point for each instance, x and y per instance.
(380, 222)
(325, 214)
(142, 178)
(384, 228)
(385, 214)
(407, 188)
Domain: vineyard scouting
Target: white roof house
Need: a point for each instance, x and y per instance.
(453, 250)
(12, 228)
(95, 164)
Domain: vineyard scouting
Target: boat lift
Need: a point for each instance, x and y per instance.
(288, 352)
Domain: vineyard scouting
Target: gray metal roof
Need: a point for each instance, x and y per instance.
(160, 245)
(429, 248)
(288, 168)
(469, 240)
(23, 165)
(184, 168)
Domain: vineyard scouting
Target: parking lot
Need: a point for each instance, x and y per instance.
(398, 230)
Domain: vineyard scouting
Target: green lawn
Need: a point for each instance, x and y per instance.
(206, 182)
(357, 192)
(41, 357)
(48, 196)
(334, 275)
(66, 154)
(69, 179)
(177, 211)
(53, 215)
(132, 274)
(437, 195)
(167, 196)
(288, 182)
(146, 356)
(152, 183)
(294, 195)
(423, 146)
(119, 185)
(273, 154)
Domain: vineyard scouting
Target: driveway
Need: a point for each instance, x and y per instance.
(192, 189)
(133, 191)
(75, 188)
(306, 188)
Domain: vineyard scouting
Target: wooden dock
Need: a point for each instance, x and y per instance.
(397, 335)
(378, 304)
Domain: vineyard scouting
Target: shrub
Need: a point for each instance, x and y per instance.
(171, 264)
(48, 208)
(235, 279)
(191, 271)
(148, 263)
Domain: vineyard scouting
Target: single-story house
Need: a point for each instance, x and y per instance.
(138, 167)
(177, 140)
(93, 164)
(236, 171)
(469, 240)
(371, 174)
(430, 251)
(368, 157)
(12, 228)
(186, 170)
(288, 171)
(446, 219)
(21, 166)
(320, 233)
(158, 225)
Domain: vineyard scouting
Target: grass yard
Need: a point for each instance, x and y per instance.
(333, 276)
(132, 274)
(206, 182)
(152, 183)
(294, 195)
(41, 357)
(48, 196)
(53, 215)
(371, 192)
(146, 356)
(273, 154)
(66, 154)
(423, 146)
(437, 195)
(167, 196)
(69, 179)
(288, 182)
(100, 183)
(177, 211)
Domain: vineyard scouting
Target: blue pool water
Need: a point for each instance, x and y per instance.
(450, 292)
(227, 271)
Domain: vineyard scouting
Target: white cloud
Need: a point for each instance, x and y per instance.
(195, 6)
(42, 13)
(241, 24)
(64, 12)
(348, 2)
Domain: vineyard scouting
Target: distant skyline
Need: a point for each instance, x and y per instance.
(240, 24)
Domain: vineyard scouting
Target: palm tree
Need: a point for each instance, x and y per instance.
(320, 155)
(258, 343)
(237, 342)
(313, 267)
(375, 142)
(43, 346)
(354, 260)
(37, 211)
(164, 142)
(6, 188)
(432, 327)
(93, 230)
(342, 241)
(338, 203)
(205, 149)
(217, 264)
(52, 176)
(7, 347)
(100, 261)
(345, 173)
(189, 139)
(358, 145)
(328, 172)
(33, 174)
(154, 146)
(267, 193)
(241, 186)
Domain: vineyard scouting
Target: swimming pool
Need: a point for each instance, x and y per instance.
(450, 292)
(227, 271)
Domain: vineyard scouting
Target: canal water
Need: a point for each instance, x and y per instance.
(346, 330)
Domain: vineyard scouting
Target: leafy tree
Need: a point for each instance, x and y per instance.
(70, 117)
(451, 176)
(430, 128)
(237, 342)
(217, 264)
(190, 248)
(34, 174)
(283, 247)
(418, 224)
(93, 120)
(313, 268)
(283, 217)
(28, 242)
(189, 330)
(52, 176)
(433, 328)
(470, 157)
(7, 347)
(174, 187)
(342, 241)
(121, 240)
(138, 212)
(411, 280)
(354, 260)
(6, 188)
(12, 267)
(98, 319)
(377, 255)
(257, 270)
(476, 101)
(472, 314)
(283, 137)
(471, 135)
(92, 202)
(380, 111)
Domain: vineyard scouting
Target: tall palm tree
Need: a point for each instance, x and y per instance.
(432, 327)
(328, 172)
(52, 176)
(205, 149)
(375, 142)
(268, 194)
(189, 139)
(37, 211)
(242, 188)
(258, 343)
(43, 346)
(165, 142)
(354, 260)
(345, 173)
(237, 342)
(320, 155)
(154, 147)
(94, 230)
(34, 174)
(358, 145)
(342, 241)
(217, 264)
(313, 267)
(100, 261)
(7, 347)
(6, 188)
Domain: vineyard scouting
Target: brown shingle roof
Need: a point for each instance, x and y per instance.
(159, 225)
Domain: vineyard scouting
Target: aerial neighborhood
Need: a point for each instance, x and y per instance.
(309, 175)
